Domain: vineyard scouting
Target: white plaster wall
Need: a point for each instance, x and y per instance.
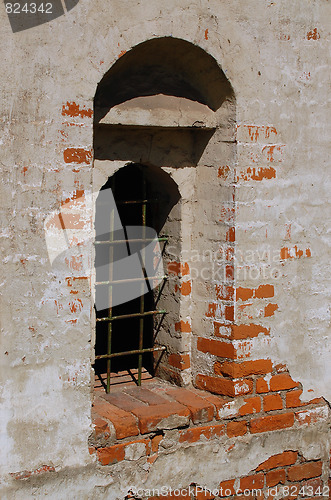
(45, 358)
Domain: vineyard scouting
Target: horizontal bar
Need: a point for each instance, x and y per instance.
(136, 351)
(134, 202)
(133, 315)
(131, 280)
(137, 240)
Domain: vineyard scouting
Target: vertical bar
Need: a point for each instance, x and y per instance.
(110, 310)
(142, 299)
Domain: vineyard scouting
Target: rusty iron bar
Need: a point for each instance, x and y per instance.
(135, 351)
(110, 310)
(132, 315)
(128, 202)
(135, 202)
(137, 240)
(142, 296)
(129, 280)
(142, 314)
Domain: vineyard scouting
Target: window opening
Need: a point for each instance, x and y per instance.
(126, 333)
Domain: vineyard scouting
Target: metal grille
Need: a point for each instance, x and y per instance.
(143, 313)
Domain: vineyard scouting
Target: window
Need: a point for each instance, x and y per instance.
(164, 121)
(127, 332)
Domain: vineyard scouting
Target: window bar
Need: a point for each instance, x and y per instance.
(132, 240)
(129, 280)
(110, 310)
(141, 315)
(133, 315)
(142, 297)
(134, 351)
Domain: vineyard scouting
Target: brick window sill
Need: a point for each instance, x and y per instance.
(131, 421)
(142, 413)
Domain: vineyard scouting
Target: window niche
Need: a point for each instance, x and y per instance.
(159, 115)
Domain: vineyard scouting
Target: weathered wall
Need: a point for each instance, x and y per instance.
(274, 55)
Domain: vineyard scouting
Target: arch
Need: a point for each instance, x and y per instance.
(166, 105)
(130, 186)
(168, 66)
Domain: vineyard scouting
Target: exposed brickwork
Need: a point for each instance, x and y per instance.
(274, 478)
(273, 404)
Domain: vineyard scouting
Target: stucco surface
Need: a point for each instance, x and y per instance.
(275, 55)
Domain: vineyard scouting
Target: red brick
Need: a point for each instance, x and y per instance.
(125, 423)
(293, 399)
(146, 396)
(236, 428)
(116, 453)
(222, 330)
(180, 361)
(275, 477)
(272, 422)
(255, 481)
(223, 386)
(173, 268)
(77, 155)
(247, 331)
(73, 110)
(156, 417)
(239, 370)
(252, 405)
(229, 313)
(183, 326)
(101, 427)
(316, 484)
(261, 386)
(216, 347)
(246, 497)
(229, 272)
(224, 292)
(216, 401)
(122, 400)
(264, 291)
(184, 269)
(281, 368)
(201, 410)
(194, 434)
(279, 460)
(185, 288)
(205, 494)
(282, 382)
(272, 402)
(212, 308)
(244, 293)
(112, 454)
(155, 441)
(270, 309)
(304, 471)
(226, 488)
(224, 171)
(231, 234)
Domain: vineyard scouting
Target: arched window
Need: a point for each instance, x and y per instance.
(164, 119)
(144, 197)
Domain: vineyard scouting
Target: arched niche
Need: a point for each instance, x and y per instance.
(166, 104)
(168, 66)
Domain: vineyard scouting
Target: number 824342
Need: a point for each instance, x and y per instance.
(29, 8)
